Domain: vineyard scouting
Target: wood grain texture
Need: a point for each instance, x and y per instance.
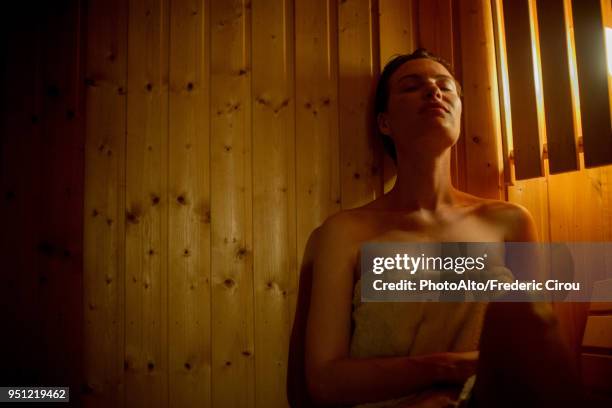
(435, 27)
(525, 128)
(189, 296)
(147, 206)
(482, 131)
(593, 82)
(233, 365)
(218, 136)
(361, 156)
(575, 205)
(598, 332)
(316, 117)
(274, 206)
(104, 204)
(560, 137)
(533, 195)
(397, 35)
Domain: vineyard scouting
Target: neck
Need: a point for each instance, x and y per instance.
(423, 182)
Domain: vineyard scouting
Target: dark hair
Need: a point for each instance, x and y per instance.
(381, 98)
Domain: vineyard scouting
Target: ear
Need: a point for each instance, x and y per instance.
(383, 124)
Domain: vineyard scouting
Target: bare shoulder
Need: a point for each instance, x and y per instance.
(338, 227)
(515, 220)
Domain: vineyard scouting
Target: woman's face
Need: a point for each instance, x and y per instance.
(423, 109)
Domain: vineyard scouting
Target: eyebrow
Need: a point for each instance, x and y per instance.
(417, 76)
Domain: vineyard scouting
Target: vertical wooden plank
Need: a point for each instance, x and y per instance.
(361, 171)
(533, 195)
(525, 134)
(62, 213)
(503, 91)
(593, 82)
(20, 157)
(232, 374)
(575, 204)
(274, 207)
(104, 203)
(606, 14)
(397, 28)
(147, 203)
(316, 117)
(317, 161)
(482, 131)
(189, 348)
(435, 27)
(561, 143)
(397, 36)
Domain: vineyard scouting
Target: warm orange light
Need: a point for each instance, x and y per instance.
(573, 72)
(609, 48)
(537, 71)
(506, 110)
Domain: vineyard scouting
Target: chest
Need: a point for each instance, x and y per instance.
(398, 229)
(465, 228)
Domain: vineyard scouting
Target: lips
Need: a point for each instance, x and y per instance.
(433, 106)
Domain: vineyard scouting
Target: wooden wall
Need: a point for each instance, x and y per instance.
(41, 207)
(576, 206)
(164, 162)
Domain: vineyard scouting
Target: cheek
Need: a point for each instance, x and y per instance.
(456, 106)
(400, 106)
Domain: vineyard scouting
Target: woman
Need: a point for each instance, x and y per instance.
(408, 354)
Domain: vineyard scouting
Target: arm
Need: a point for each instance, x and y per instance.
(524, 330)
(297, 393)
(333, 377)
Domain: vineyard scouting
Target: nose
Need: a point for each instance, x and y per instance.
(432, 91)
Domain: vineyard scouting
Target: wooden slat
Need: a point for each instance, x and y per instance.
(232, 329)
(317, 159)
(606, 11)
(361, 161)
(435, 27)
(274, 252)
(503, 91)
(562, 152)
(598, 332)
(601, 307)
(575, 205)
(62, 214)
(593, 82)
(104, 203)
(606, 211)
(397, 22)
(20, 157)
(316, 116)
(526, 138)
(533, 195)
(147, 201)
(397, 28)
(602, 289)
(597, 372)
(189, 348)
(482, 131)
